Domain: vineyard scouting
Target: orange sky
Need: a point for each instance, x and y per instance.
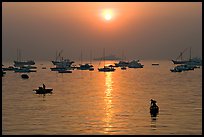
(135, 26)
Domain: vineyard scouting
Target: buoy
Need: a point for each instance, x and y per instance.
(25, 76)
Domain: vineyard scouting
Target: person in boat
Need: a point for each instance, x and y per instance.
(43, 86)
(153, 102)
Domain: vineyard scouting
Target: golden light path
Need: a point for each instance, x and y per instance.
(108, 102)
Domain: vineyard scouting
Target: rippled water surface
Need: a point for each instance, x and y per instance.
(92, 102)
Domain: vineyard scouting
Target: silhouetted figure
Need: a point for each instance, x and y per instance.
(154, 109)
(43, 86)
(153, 102)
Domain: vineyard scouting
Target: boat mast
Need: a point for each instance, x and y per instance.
(81, 56)
(56, 56)
(17, 54)
(190, 53)
(123, 57)
(90, 57)
(104, 55)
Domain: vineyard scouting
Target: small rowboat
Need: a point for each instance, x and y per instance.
(154, 110)
(43, 91)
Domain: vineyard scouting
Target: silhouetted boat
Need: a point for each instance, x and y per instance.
(64, 71)
(155, 64)
(3, 72)
(40, 90)
(20, 63)
(91, 69)
(106, 68)
(61, 62)
(24, 70)
(10, 68)
(58, 69)
(122, 64)
(176, 70)
(194, 61)
(154, 110)
(85, 66)
(135, 64)
(123, 68)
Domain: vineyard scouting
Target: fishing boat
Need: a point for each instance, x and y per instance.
(61, 62)
(41, 90)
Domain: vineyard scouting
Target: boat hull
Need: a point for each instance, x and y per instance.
(43, 91)
(154, 110)
(180, 62)
(106, 69)
(21, 63)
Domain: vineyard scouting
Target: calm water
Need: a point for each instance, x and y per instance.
(85, 102)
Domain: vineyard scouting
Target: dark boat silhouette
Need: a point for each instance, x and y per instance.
(41, 90)
(154, 110)
(24, 76)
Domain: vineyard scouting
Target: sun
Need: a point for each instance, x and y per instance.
(108, 17)
(107, 14)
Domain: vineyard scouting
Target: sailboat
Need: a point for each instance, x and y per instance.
(91, 68)
(181, 61)
(61, 62)
(106, 68)
(19, 62)
(85, 66)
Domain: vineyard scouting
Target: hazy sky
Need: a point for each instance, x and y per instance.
(142, 30)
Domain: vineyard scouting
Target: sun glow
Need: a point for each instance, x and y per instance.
(108, 17)
(107, 14)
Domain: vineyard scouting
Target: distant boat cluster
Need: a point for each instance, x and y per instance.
(185, 65)
(62, 65)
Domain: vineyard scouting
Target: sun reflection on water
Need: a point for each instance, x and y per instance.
(108, 102)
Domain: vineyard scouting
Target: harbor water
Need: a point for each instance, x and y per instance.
(103, 103)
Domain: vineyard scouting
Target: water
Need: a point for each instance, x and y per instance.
(92, 102)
